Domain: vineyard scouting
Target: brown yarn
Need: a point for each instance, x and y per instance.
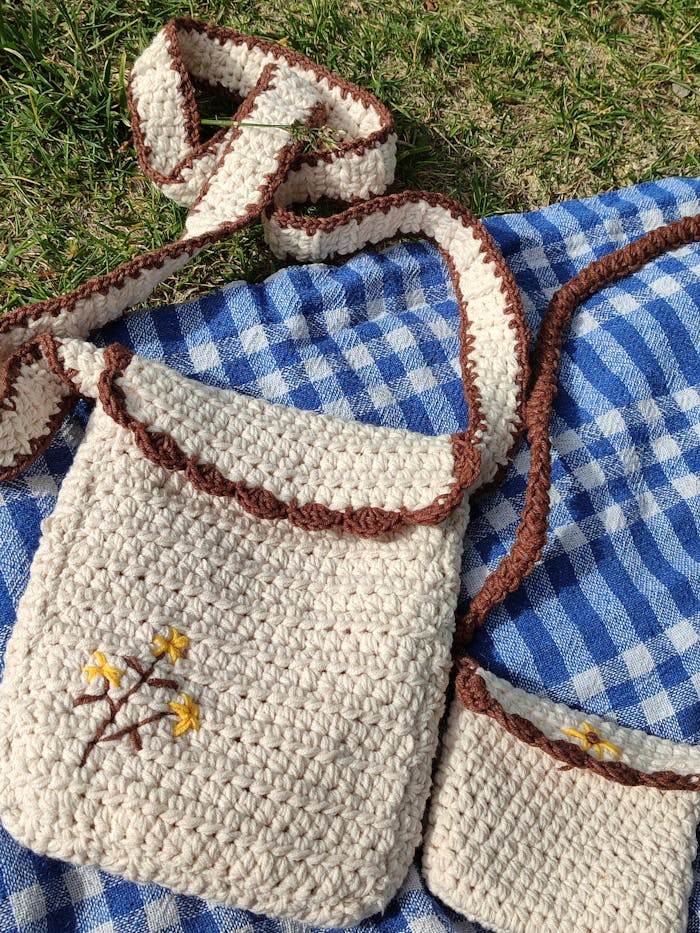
(474, 695)
(531, 533)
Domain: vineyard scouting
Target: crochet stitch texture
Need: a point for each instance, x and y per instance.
(318, 661)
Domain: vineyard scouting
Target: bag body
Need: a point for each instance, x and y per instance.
(234, 645)
(277, 753)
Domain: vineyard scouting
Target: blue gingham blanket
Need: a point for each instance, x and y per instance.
(609, 622)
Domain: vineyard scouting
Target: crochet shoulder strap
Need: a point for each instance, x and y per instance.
(228, 181)
(257, 167)
(531, 533)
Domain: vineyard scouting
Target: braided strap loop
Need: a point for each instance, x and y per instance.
(167, 125)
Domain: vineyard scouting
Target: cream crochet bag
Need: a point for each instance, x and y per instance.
(543, 819)
(229, 664)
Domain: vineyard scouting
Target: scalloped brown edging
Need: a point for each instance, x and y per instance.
(474, 695)
(162, 449)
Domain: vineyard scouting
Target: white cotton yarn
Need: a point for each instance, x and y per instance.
(318, 662)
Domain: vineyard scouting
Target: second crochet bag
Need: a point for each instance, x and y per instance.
(543, 818)
(229, 665)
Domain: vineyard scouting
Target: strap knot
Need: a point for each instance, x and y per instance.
(232, 177)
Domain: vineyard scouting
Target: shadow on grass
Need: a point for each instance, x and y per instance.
(428, 161)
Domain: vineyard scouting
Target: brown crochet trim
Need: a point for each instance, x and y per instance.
(315, 118)
(190, 110)
(191, 116)
(467, 460)
(296, 59)
(465, 447)
(191, 113)
(162, 449)
(474, 695)
(531, 534)
(266, 82)
(28, 355)
(133, 269)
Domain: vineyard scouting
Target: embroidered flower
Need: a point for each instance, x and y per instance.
(113, 675)
(590, 738)
(187, 714)
(175, 645)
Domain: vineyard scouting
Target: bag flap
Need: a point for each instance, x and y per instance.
(317, 471)
(580, 740)
(416, 480)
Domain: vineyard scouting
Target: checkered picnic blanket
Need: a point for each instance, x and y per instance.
(609, 622)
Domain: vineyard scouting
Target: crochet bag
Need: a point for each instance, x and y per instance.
(229, 665)
(542, 818)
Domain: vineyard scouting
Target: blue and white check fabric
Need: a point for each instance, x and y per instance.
(609, 622)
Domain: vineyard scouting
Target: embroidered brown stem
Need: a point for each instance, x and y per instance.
(145, 677)
(133, 730)
(95, 697)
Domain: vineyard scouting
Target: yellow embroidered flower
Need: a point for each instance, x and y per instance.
(174, 645)
(111, 674)
(187, 715)
(591, 738)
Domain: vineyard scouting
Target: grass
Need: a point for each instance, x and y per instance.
(506, 105)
